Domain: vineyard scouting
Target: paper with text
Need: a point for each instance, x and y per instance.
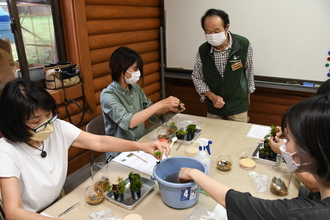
(136, 160)
(258, 131)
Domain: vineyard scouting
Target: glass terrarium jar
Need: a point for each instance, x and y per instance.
(94, 195)
(100, 175)
(172, 124)
(163, 133)
(224, 162)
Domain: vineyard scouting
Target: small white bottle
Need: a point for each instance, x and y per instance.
(204, 157)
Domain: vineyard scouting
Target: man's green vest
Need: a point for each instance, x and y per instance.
(233, 86)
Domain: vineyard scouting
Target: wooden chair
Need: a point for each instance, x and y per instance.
(95, 126)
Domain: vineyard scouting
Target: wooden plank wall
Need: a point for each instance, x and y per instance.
(266, 108)
(103, 26)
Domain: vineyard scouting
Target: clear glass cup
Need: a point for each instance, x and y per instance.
(280, 180)
(172, 124)
(163, 133)
(224, 162)
(94, 194)
(100, 175)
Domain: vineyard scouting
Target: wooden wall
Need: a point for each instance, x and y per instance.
(93, 30)
(268, 105)
(266, 108)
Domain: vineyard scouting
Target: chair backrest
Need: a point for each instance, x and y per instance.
(2, 213)
(96, 125)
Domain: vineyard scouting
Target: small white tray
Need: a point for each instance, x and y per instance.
(256, 157)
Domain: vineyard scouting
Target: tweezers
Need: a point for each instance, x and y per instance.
(69, 209)
(180, 145)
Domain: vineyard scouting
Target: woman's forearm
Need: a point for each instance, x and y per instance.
(142, 116)
(215, 189)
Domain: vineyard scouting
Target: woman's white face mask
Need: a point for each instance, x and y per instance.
(135, 77)
(216, 39)
(292, 165)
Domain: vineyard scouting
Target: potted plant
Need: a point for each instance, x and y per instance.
(266, 152)
(180, 134)
(190, 132)
(118, 189)
(135, 185)
(172, 128)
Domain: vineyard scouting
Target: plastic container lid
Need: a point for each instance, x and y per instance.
(247, 163)
(191, 151)
(133, 217)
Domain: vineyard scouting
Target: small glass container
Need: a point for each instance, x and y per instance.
(100, 175)
(172, 124)
(280, 180)
(163, 133)
(94, 195)
(224, 162)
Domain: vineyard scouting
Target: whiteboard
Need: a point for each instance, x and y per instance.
(290, 38)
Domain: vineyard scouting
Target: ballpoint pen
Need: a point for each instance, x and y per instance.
(69, 209)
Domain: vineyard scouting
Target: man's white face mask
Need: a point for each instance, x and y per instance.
(216, 39)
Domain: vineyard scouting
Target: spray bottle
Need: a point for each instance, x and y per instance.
(204, 152)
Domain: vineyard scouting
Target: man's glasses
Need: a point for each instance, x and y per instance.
(44, 125)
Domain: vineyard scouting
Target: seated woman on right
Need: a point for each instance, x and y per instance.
(307, 149)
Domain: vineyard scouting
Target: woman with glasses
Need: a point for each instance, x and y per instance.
(34, 150)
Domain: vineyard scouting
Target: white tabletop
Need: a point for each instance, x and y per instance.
(228, 137)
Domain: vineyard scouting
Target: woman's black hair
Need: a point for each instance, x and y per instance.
(324, 89)
(121, 59)
(308, 121)
(20, 98)
(216, 12)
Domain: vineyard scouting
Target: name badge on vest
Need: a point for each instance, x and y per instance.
(237, 65)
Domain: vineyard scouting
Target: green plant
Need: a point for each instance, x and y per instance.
(134, 176)
(266, 152)
(136, 185)
(136, 182)
(157, 153)
(181, 132)
(120, 187)
(272, 133)
(172, 126)
(191, 128)
(179, 107)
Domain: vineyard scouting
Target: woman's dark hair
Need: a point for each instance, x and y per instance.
(308, 122)
(324, 89)
(121, 59)
(216, 12)
(19, 99)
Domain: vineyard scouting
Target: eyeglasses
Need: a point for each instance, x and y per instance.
(44, 125)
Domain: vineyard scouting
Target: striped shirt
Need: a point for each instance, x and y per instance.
(220, 59)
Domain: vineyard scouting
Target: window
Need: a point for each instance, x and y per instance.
(36, 39)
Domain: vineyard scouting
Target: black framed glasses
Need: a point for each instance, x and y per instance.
(44, 125)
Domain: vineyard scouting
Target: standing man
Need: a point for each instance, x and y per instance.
(223, 70)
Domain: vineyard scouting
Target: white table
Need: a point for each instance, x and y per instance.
(228, 137)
